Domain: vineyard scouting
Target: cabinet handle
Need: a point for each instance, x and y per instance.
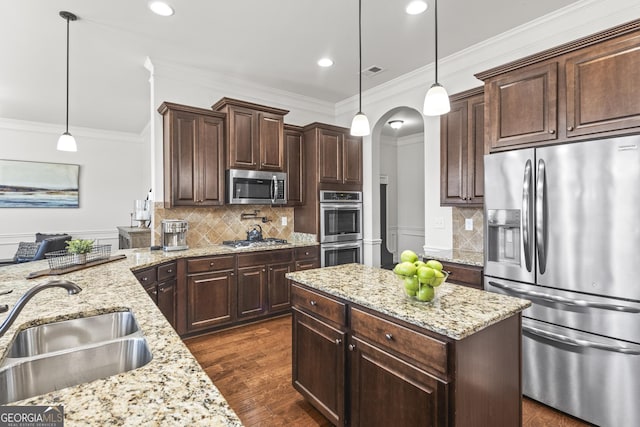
(155, 292)
(144, 279)
(389, 337)
(313, 303)
(552, 131)
(169, 271)
(352, 347)
(338, 341)
(167, 289)
(570, 128)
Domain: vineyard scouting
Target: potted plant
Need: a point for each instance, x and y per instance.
(79, 248)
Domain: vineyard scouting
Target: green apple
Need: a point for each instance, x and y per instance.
(419, 263)
(426, 274)
(411, 284)
(438, 279)
(426, 293)
(436, 265)
(408, 256)
(406, 269)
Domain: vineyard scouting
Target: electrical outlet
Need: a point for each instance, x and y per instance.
(283, 220)
(468, 224)
(438, 222)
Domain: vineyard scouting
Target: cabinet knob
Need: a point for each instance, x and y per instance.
(338, 341)
(313, 303)
(211, 264)
(570, 128)
(144, 279)
(164, 290)
(154, 293)
(306, 253)
(389, 337)
(352, 347)
(264, 269)
(552, 131)
(169, 271)
(270, 268)
(232, 274)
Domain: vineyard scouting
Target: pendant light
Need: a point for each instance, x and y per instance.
(67, 142)
(436, 102)
(360, 123)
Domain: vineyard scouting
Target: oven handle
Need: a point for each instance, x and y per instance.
(340, 245)
(575, 342)
(567, 301)
(340, 205)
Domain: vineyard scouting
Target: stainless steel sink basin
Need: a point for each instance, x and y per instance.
(34, 376)
(72, 333)
(61, 354)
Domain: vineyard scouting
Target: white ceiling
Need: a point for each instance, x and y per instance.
(274, 43)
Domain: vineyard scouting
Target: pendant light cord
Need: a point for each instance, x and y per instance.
(436, 28)
(360, 54)
(67, 131)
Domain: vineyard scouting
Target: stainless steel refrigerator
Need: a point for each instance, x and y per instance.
(562, 229)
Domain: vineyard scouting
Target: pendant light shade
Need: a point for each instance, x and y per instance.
(67, 142)
(360, 124)
(436, 102)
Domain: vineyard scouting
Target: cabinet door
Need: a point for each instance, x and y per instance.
(243, 143)
(387, 391)
(475, 152)
(183, 145)
(271, 141)
(251, 291)
(523, 106)
(330, 145)
(209, 152)
(318, 369)
(352, 160)
(152, 291)
(167, 300)
(294, 159)
(453, 154)
(210, 299)
(602, 88)
(279, 287)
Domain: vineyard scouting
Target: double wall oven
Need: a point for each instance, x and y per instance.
(340, 227)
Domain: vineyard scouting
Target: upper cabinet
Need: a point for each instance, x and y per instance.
(294, 158)
(193, 156)
(255, 135)
(462, 151)
(338, 154)
(583, 89)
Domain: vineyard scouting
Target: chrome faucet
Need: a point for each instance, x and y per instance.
(71, 288)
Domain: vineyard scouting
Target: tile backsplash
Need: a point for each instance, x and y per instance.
(212, 225)
(468, 240)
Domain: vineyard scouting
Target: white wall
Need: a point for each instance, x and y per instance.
(410, 193)
(389, 169)
(456, 73)
(112, 176)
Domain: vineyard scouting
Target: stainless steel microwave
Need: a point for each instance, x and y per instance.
(247, 187)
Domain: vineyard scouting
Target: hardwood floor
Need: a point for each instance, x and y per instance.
(251, 366)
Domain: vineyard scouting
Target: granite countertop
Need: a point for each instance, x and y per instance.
(457, 312)
(456, 255)
(170, 390)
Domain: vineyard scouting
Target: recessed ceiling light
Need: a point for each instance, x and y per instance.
(161, 8)
(416, 7)
(325, 62)
(396, 124)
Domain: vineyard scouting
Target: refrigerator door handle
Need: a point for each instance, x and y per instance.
(575, 342)
(567, 301)
(527, 199)
(541, 216)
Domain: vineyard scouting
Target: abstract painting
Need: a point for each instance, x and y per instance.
(38, 185)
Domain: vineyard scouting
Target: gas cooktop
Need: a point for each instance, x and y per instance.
(269, 241)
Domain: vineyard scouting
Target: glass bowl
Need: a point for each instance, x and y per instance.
(424, 293)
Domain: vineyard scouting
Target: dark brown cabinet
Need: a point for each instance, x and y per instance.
(252, 287)
(464, 274)
(294, 157)
(307, 257)
(462, 150)
(193, 156)
(161, 285)
(210, 292)
(583, 89)
(255, 135)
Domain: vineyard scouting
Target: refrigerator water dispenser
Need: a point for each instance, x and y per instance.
(503, 229)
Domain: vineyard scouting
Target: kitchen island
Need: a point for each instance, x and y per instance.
(172, 389)
(455, 361)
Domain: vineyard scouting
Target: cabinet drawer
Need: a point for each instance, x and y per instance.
(315, 303)
(146, 277)
(468, 275)
(201, 265)
(424, 350)
(265, 257)
(307, 252)
(166, 271)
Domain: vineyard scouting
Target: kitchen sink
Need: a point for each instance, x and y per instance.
(66, 334)
(61, 354)
(34, 376)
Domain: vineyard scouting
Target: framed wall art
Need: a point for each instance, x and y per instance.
(25, 184)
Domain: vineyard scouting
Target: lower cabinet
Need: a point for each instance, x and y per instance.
(161, 285)
(210, 287)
